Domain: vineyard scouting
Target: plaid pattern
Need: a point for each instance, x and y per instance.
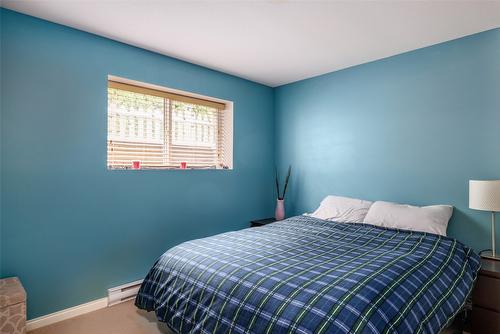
(307, 275)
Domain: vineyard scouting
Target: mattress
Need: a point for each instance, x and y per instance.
(307, 275)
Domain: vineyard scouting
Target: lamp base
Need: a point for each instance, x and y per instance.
(489, 255)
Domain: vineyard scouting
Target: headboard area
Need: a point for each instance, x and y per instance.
(413, 128)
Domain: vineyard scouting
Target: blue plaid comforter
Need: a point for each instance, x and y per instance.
(307, 275)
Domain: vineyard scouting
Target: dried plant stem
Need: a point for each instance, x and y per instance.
(286, 180)
(286, 183)
(277, 183)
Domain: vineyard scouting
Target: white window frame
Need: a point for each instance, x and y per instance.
(227, 118)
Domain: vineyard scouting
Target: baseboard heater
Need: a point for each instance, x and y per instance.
(123, 292)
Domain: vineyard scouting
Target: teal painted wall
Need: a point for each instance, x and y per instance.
(71, 228)
(412, 128)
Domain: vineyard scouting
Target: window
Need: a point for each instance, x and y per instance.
(157, 129)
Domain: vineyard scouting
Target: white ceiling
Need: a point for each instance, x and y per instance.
(272, 42)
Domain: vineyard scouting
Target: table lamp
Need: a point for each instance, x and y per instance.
(485, 196)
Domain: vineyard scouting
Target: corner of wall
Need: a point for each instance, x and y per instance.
(1, 150)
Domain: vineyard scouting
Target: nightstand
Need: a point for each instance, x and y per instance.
(262, 222)
(486, 299)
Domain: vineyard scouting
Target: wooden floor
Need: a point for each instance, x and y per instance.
(123, 318)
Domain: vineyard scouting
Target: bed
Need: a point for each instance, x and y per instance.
(308, 275)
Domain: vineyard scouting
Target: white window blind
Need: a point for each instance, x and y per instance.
(153, 129)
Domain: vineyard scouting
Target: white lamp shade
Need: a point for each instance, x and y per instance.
(484, 195)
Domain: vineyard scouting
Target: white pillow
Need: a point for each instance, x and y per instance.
(342, 209)
(432, 219)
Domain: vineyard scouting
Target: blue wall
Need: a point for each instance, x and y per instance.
(412, 128)
(71, 228)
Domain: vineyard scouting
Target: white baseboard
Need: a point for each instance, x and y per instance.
(66, 314)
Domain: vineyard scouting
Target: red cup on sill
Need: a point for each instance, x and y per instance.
(183, 165)
(136, 165)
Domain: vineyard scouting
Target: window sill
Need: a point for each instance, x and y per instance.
(167, 168)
